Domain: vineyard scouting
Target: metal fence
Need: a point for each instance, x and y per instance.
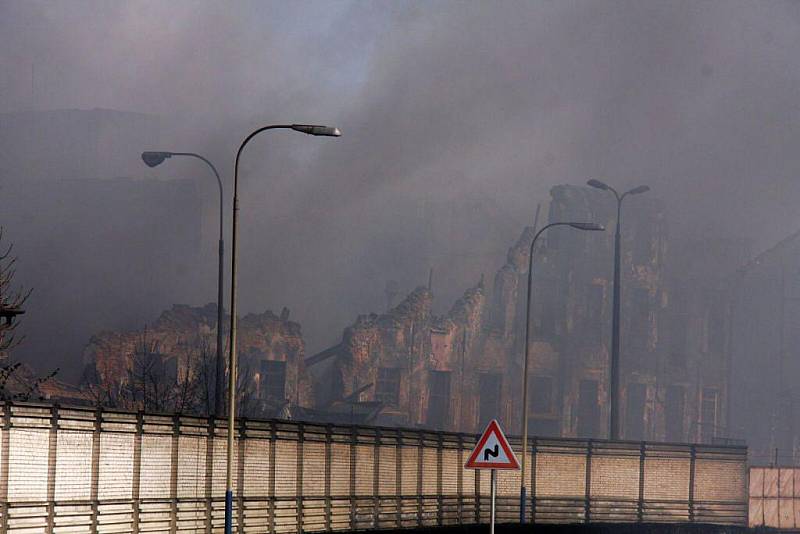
(775, 497)
(80, 470)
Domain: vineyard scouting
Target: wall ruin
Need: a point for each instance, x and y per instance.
(456, 371)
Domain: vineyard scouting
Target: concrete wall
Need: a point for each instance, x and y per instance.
(83, 471)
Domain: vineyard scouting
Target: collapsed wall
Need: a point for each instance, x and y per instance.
(457, 371)
(410, 367)
(176, 356)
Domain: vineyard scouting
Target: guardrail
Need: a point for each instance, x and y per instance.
(84, 470)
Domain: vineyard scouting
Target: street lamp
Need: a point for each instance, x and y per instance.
(153, 159)
(309, 129)
(586, 226)
(614, 395)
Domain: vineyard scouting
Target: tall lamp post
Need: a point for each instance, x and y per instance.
(309, 129)
(153, 159)
(580, 226)
(614, 430)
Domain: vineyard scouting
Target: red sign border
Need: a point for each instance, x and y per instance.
(493, 427)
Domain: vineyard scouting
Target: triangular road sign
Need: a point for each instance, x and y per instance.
(492, 451)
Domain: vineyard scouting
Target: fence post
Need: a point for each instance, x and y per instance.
(640, 507)
(460, 479)
(52, 450)
(5, 445)
(376, 487)
(173, 474)
(477, 474)
(327, 488)
(439, 485)
(353, 441)
(398, 480)
(240, 475)
(532, 494)
(272, 459)
(691, 482)
(137, 469)
(95, 473)
(209, 487)
(420, 452)
(587, 502)
(298, 507)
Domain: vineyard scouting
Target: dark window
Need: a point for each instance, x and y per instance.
(792, 314)
(553, 239)
(170, 369)
(438, 398)
(679, 334)
(387, 390)
(640, 324)
(716, 329)
(549, 312)
(680, 320)
(553, 236)
(594, 314)
(634, 413)
(273, 379)
(708, 416)
(588, 410)
(678, 358)
(674, 412)
(544, 427)
(540, 395)
(490, 386)
(643, 246)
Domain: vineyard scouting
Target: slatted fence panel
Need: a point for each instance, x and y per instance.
(79, 470)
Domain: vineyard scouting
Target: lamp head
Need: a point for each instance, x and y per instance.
(597, 184)
(589, 226)
(640, 189)
(152, 159)
(311, 129)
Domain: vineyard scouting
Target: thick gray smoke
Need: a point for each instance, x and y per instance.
(457, 119)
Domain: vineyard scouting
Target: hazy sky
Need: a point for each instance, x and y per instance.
(479, 106)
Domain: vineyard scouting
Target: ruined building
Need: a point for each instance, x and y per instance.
(169, 365)
(697, 359)
(412, 362)
(764, 343)
(457, 371)
(412, 367)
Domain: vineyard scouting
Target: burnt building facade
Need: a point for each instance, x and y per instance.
(764, 344)
(457, 371)
(169, 365)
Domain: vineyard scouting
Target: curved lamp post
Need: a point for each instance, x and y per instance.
(586, 226)
(309, 129)
(153, 159)
(614, 430)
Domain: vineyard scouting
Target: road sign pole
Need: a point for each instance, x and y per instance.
(492, 452)
(494, 493)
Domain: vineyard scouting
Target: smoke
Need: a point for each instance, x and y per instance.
(457, 119)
